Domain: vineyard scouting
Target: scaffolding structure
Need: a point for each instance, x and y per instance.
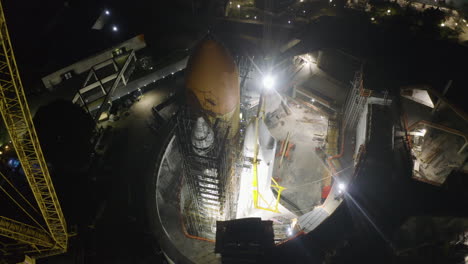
(102, 81)
(244, 64)
(207, 171)
(355, 102)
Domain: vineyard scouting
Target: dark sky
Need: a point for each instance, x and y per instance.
(48, 35)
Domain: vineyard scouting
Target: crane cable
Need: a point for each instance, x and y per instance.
(21, 207)
(18, 192)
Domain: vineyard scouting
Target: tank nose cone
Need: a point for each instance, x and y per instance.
(212, 80)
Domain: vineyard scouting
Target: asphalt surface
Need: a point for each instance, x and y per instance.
(120, 233)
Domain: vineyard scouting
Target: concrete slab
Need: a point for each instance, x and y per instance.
(302, 170)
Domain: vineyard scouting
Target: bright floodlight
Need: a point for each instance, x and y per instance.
(341, 187)
(238, 6)
(423, 132)
(388, 11)
(107, 12)
(115, 28)
(268, 81)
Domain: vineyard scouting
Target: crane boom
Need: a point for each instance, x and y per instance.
(24, 233)
(18, 121)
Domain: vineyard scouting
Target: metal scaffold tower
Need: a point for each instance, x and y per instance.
(23, 238)
(207, 167)
(244, 64)
(355, 102)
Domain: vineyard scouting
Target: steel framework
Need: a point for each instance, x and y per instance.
(357, 99)
(18, 121)
(206, 175)
(257, 196)
(25, 233)
(100, 86)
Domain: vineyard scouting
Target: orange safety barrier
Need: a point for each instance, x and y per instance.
(281, 149)
(289, 148)
(326, 191)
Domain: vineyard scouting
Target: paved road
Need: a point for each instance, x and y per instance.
(121, 231)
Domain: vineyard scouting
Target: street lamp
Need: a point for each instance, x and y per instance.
(107, 12)
(268, 82)
(115, 28)
(388, 11)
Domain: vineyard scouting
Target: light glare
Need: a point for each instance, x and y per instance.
(423, 132)
(341, 187)
(268, 81)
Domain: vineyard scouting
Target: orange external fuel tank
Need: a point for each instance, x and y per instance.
(212, 83)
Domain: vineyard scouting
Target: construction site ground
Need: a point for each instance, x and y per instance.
(299, 168)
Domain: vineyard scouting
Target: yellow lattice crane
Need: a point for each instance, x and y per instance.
(26, 238)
